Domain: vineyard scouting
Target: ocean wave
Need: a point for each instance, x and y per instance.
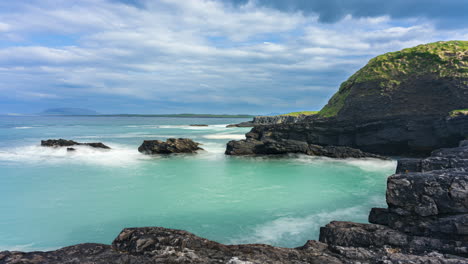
(365, 164)
(129, 135)
(23, 127)
(117, 156)
(297, 229)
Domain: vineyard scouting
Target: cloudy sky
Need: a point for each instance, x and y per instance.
(202, 56)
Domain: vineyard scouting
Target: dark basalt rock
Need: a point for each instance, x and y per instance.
(256, 147)
(400, 103)
(68, 143)
(243, 124)
(270, 120)
(414, 136)
(71, 149)
(199, 125)
(171, 145)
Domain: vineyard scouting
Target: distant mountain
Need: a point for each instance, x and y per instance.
(69, 111)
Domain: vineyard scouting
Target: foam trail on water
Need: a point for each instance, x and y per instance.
(117, 156)
(365, 164)
(297, 229)
(23, 127)
(129, 135)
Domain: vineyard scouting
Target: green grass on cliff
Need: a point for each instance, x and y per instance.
(439, 59)
(301, 113)
(459, 112)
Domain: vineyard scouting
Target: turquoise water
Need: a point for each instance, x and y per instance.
(50, 198)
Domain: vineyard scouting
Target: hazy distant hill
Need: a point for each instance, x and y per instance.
(69, 111)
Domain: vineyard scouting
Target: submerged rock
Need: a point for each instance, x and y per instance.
(171, 145)
(68, 143)
(199, 125)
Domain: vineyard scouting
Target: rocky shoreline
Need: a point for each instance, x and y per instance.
(270, 120)
(406, 136)
(426, 222)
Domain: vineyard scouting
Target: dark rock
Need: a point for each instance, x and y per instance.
(71, 149)
(428, 193)
(379, 216)
(350, 234)
(408, 165)
(243, 124)
(68, 143)
(251, 146)
(199, 125)
(172, 145)
(161, 245)
(390, 109)
(463, 143)
(270, 120)
(417, 135)
(58, 143)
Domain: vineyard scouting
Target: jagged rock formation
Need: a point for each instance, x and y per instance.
(270, 120)
(401, 103)
(426, 222)
(172, 145)
(252, 146)
(68, 143)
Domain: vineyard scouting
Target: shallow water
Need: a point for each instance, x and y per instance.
(50, 198)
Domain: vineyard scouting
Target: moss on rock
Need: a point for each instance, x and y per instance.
(444, 59)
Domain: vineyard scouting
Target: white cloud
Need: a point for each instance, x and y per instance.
(4, 27)
(248, 54)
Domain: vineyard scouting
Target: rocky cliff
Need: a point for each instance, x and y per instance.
(426, 222)
(271, 120)
(408, 102)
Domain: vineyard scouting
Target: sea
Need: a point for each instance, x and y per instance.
(51, 198)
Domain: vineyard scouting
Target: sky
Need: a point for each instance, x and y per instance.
(203, 56)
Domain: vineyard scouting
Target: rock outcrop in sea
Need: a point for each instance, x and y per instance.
(426, 222)
(68, 143)
(408, 102)
(270, 120)
(171, 145)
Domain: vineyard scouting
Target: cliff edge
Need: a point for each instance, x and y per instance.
(408, 102)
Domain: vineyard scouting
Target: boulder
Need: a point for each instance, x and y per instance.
(68, 143)
(171, 145)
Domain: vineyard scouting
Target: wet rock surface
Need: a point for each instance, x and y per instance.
(408, 136)
(171, 145)
(68, 143)
(426, 222)
(252, 146)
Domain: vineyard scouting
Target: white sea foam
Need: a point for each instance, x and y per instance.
(291, 228)
(372, 164)
(365, 164)
(129, 135)
(209, 127)
(23, 127)
(117, 156)
(225, 136)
